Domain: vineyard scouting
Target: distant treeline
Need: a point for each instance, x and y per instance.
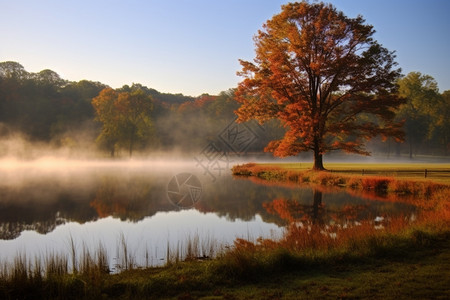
(45, 108)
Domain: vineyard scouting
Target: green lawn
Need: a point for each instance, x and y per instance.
(435, 172)
(427, 277)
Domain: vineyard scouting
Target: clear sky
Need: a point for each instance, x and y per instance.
(193, 46)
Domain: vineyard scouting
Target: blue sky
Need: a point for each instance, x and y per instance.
(192, 47)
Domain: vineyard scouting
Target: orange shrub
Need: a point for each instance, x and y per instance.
(375, 183)
(326, 178)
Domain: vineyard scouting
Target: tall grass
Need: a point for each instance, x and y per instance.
(85, 261)
(192, 249)
(81, 271)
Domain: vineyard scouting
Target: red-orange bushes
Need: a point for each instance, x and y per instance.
(244, 170)
(293, 176)
(375, 183)
(326, 178)
(418, 188)
(379, 184)
(264, 172)
(353, 182)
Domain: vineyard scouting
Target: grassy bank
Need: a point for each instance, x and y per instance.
(354, 176)
(415, 171)
(403, 259)
(412, 265)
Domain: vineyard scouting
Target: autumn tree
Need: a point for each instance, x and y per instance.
(107, 115)
(318, 72)
(125, 118)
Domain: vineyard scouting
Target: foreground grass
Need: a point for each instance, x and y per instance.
(406, 268)
(401, 261)
(413, 265)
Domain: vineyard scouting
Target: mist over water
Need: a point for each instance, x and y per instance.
(47, 203)
(51, 197)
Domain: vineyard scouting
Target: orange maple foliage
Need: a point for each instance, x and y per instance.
(319, 72)
(196, 104)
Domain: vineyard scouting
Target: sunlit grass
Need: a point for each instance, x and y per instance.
(343, 174)
(434, 171)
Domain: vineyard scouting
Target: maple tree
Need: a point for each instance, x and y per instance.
(324, 77)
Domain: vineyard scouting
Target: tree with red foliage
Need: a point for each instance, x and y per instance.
(324, 77)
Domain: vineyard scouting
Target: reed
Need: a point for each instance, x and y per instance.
(192, 248)
(126, 258)
(303, 248)
(72, 251)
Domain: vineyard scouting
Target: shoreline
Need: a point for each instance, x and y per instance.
(349, 179)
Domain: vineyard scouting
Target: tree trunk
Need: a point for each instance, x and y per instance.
(113, 150)
(410, 150)
(131, 148)
(132, 134)
(318, 161)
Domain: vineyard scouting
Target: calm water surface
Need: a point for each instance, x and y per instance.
(47, 206)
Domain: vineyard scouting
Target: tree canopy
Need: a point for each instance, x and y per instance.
(125, 118)
(422, 95)
(324, 77)
(425, 113)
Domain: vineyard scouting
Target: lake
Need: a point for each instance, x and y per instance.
(139, 210)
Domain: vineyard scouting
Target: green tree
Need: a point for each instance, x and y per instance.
(13, 70)
(125, 118)
(49, 78)
(316, 71)
(134, 116)
(422, 98)
(440, 127)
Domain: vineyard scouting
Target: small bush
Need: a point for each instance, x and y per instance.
(374, 183)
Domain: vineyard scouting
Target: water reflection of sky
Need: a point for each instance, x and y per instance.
(150, 234)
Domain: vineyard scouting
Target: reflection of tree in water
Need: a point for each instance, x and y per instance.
(41, 204)
(317, 208)
(24, 209)
(316, 225)
(295, 212)
(132, 199)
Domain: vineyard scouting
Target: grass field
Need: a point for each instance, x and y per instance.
(434, 171)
